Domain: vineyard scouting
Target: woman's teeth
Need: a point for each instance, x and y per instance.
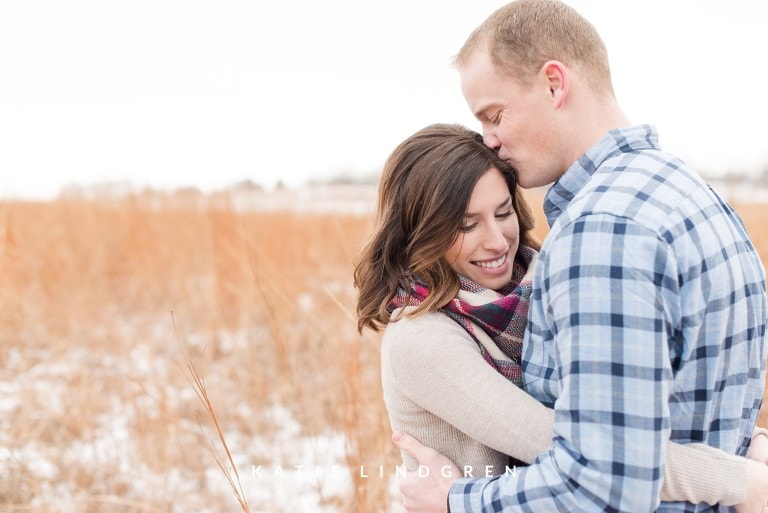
(492, 264)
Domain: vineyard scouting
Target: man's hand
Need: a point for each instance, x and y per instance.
(426, 489)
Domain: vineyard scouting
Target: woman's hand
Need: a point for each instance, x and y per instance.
(758, 448)
(757, 488)
(757, 476)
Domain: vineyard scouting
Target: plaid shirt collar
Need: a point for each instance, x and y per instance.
(619, 140)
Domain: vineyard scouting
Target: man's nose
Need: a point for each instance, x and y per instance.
(490, 140)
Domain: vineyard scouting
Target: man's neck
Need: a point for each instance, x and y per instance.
(591, 121)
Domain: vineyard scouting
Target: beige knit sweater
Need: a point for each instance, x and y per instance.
(438, 388)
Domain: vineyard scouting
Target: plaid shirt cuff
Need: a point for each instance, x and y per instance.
(466, 494)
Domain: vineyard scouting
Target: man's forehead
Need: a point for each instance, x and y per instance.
(481, 85)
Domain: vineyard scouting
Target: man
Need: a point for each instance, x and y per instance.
(648, 315)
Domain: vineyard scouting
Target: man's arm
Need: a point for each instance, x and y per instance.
(426, 493)
(605, 291)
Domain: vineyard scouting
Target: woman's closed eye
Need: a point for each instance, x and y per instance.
(465, 228)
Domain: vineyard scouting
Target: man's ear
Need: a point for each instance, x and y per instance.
(557, 78)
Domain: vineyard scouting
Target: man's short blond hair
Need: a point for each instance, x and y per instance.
(521, 36)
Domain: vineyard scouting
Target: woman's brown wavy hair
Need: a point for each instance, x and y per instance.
(424, 191)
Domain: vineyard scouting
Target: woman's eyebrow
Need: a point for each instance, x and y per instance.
(501, 205)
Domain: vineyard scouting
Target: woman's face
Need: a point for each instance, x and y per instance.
(488, 238)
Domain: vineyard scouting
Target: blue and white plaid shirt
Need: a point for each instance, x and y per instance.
(647, 323)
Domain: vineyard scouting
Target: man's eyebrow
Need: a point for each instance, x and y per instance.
(481, 112)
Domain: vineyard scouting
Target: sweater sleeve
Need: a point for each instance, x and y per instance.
(438, 366)
(700, 473)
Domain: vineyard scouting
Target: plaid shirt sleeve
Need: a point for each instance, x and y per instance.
(608, 284)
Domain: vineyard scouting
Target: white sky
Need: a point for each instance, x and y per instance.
(206, 93)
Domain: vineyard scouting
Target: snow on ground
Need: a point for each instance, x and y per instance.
(104, 458)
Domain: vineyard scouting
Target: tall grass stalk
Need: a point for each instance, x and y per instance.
(197, 382)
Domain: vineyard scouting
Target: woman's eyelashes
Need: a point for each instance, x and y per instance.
(500, 216)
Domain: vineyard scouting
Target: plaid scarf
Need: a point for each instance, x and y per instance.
(496, 321)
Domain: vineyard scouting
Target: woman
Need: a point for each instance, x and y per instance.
(444, 275)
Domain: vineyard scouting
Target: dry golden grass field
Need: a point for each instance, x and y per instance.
(97, 410)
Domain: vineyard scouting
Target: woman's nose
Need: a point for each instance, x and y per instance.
(495, 239)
